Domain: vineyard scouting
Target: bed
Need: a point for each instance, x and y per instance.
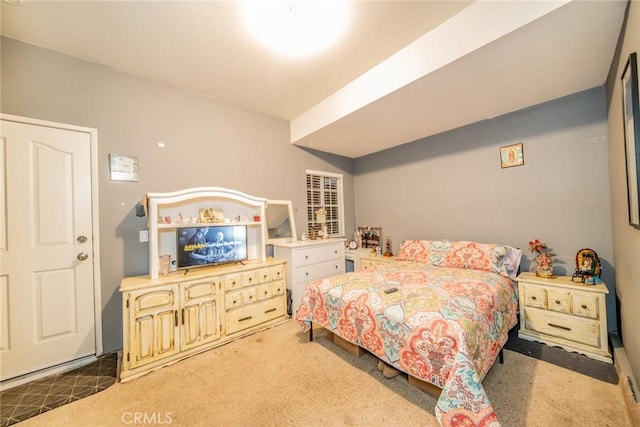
(445, 324)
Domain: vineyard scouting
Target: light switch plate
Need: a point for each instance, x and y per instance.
(144, 236)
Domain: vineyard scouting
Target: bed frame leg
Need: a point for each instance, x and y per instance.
(311, 332)
(501, 356)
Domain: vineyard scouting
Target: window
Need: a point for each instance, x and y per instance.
(324, 189)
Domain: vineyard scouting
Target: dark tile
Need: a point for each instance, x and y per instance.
(23, 412)
(33, 400)
(85, 381)
(80, 392)
(6, 410)
(53, 401)
(27, 400)
(10, 398)
(39, 389)
(65, 380)
(61, 390)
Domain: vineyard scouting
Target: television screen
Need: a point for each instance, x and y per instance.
(211, 245)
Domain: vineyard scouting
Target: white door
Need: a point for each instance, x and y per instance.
(47, 290)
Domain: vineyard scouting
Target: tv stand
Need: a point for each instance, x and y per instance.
(168, 318)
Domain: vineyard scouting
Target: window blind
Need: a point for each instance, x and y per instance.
(325, 190)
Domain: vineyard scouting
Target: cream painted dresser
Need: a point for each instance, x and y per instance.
(563, 313)
(309, 260)
(170, 318)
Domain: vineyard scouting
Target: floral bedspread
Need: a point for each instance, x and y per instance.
(444, 325)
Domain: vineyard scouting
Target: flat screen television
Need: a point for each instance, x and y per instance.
(211, 245)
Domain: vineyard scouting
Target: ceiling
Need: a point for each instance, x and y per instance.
(404, 70)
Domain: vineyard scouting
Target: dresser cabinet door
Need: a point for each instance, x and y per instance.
(200, 314)
(153, 322)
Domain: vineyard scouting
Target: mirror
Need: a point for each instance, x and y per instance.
(280, 223)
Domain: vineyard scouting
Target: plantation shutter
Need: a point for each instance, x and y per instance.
(324, 189)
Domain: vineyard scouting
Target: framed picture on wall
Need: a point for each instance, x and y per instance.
(123, 167)
(631, 120)
(511, 155)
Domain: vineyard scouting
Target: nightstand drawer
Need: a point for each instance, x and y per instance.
(586, 305)
(564, 326)
(534, 296)
(559, 300)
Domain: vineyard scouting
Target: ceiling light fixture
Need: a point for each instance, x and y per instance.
(296, 28)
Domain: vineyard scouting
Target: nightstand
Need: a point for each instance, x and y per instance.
(563, 313)
(369, 262)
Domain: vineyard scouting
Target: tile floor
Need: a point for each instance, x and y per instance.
(28, 400)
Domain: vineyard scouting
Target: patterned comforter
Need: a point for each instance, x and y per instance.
(444, 326)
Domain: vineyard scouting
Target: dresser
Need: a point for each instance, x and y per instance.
(176, 316)
(309, 260)
(563, 313)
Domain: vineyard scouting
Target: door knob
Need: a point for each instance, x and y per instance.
(82, 239)
(82, 256)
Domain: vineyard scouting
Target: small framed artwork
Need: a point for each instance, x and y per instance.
(631, 120)
(370, 236)
(211, 215)
(123, 167)
(511, 155)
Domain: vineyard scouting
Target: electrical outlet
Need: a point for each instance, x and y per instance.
(144, 236)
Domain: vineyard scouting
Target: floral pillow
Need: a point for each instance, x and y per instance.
(458, 254)
(424, 251)
(476, 256)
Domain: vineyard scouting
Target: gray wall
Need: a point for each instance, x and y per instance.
(626, 239)
(207, 144)
(451, 186)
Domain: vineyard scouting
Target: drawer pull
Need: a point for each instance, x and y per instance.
(534, 298)
(584, 306)
(266, 292)
(558, 326)
(557, 301)
(306, 257)
(234, 301)
(245, 318)
(270, 310)
(176, 317)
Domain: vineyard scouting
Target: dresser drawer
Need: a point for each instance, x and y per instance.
(277, 272)
(307, 273)
(563, 326)
(254, 314)
(233, 299)
(313, 255)
(250, 278)
(233, 281)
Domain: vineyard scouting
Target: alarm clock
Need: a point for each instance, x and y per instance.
(353, 244)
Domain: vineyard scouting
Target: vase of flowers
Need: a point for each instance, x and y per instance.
(544, 259)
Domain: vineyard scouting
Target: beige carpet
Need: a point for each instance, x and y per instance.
(277, 378)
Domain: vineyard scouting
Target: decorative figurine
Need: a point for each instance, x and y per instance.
(544, 258)
(588, 267)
